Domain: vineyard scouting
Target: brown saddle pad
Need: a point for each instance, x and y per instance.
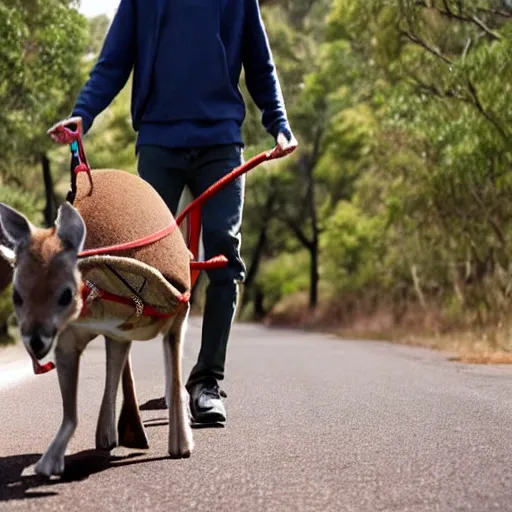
(130, 279)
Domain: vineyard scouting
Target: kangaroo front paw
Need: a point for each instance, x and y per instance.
(106, 436)
(180, 448)
(106, 441)
(181, 441)
(50, 464)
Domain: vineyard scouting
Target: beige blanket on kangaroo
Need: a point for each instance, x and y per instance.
(109, 278)
(121, 207)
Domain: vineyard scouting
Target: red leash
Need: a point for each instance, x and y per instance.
(64, 135)
(273, 154)
(67, 136)
(141, 242)
(196, 204)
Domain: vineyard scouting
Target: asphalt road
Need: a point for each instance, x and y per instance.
(314, 423)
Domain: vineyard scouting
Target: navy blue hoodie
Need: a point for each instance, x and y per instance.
(187, 57)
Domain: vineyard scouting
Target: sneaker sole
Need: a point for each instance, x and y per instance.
(208, 417)
(215, 424)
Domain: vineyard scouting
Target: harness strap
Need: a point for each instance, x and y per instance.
(72, 136)
(131, 245)
(142, 309)
(193, 209)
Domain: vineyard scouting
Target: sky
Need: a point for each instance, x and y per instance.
(95, 7)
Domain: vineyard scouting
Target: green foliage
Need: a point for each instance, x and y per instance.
(5, 314)
(404, 123)
(30, 203)
(284, 275)
(98, 26)
(439, 162)
(41, 44)
(352, 249)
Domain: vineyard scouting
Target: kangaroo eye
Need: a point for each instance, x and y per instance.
(66, 297)
(16, 298)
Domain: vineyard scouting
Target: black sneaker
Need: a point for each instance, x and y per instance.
(206, 404)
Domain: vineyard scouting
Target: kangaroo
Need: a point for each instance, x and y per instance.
(5, 266)
(116, 207)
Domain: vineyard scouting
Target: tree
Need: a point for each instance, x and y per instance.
(400, 182)
(441, 71)
(98, 26)
(293, 33)
(42, 42)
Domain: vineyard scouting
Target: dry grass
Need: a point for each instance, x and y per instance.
(484, 358)
(490, 345)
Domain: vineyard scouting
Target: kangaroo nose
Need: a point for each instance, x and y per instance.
(37, 340)
(36, 343)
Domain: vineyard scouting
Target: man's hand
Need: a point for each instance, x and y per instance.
(61, 136)
(285, 139)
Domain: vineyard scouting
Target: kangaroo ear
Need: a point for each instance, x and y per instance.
(8, 255)
(14, 225)
(70, 227)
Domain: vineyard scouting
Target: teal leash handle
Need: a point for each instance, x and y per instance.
(75, 162)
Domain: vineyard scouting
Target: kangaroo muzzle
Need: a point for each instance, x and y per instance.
(39, 341)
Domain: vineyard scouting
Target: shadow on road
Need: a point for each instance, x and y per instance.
(79, 466)
(12, 485)
(156, 404)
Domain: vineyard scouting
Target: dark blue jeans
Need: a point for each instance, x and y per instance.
(169, 171)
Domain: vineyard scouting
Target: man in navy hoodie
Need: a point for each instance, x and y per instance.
(186, 57)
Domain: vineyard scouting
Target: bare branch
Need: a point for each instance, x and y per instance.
(431, 89)
(303, 239)
(480, 108)
(448, 13)
(495, 12)
(466, 48)
(474, 100)
(447, 7)
(417, 286)
(315, 155)
(434, 51)
(485, 28)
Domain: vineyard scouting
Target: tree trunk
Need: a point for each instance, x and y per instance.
(4, 330)
(313, 247)
(258, 251)
(306, 166)
(50, 209)
(314, 276)
(417, 287)
(259, 309)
